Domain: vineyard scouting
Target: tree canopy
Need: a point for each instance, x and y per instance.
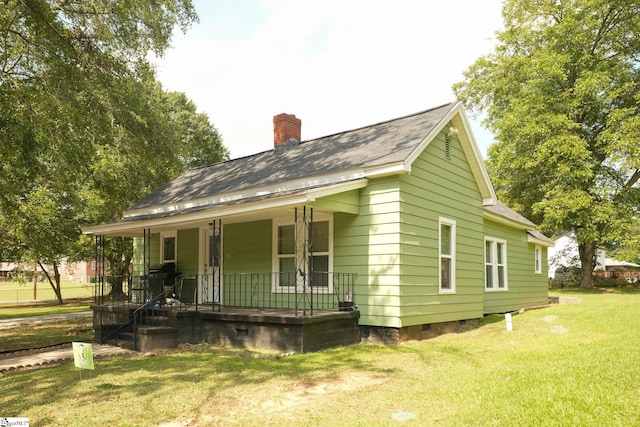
(85, 128)
(561, 93)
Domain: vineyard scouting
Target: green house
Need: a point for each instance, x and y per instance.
(395, 226)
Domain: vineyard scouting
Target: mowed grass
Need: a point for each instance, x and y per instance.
(43, 334)
(20, 292)
(41, 308)
(566, 365)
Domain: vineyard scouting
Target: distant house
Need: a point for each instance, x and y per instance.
(395, 227)
(6, 269)
(564, 256)
(80, 271)
(564, 263)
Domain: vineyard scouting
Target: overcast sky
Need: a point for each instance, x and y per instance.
(337, 65)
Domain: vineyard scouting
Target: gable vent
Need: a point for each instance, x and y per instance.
(447, 148)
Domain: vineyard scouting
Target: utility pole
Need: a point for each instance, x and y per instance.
(35, 282)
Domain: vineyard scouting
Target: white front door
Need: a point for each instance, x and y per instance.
(211, 282)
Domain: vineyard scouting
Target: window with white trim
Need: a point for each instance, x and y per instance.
(168, 247)
(289, 248)
(447, 252)
(538, 259)
(495, 262)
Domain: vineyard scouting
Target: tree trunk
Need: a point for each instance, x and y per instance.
(57, 289)
(55, 286)
(587, 253)
(117, 277)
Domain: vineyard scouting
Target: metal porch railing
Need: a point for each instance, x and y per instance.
(273, 290)
(132, 302)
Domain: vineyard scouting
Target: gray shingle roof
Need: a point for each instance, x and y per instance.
(376, 145)
(506, 212)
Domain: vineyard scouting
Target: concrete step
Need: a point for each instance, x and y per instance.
(128, 344)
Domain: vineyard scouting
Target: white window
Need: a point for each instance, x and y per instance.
(495, 262)
(447, 248)
(292, 260)
(538, 259)
(168, 247)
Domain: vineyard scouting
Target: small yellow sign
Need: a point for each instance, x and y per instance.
(82, 355)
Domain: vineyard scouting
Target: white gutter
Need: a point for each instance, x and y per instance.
(131, 226)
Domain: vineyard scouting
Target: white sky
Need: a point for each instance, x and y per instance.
(336, 64)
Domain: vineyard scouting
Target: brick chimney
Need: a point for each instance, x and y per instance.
(285, 127)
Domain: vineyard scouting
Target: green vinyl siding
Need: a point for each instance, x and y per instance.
(525, 287)
(188, 251)
(440, 187)
(138, 253)
(348, 202)
(247, 247)
(368, 244)
(393, 243)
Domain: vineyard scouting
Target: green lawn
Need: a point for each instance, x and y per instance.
(566, 365)
(46, 334)
(19, 292)
(40, 308)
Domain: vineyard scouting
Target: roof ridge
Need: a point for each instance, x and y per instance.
(329, 136)
(379, 123)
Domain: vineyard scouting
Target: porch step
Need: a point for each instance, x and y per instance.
(128, 344)
(125, 339)
(154, 320)
(126, 336)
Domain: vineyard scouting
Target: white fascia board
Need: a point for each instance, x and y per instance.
(476, 152)
(294, 185)
(176, 221)
(488, 201)
(388, 169)
(134, 228)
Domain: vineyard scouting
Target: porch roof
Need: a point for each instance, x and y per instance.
(238, 208)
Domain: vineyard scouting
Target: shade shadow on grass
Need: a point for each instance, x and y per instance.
(215, 371)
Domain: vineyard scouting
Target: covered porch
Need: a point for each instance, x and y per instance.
(263, 279)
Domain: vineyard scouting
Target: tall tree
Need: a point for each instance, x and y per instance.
(158, 137)
(561, 93)
(80, 114)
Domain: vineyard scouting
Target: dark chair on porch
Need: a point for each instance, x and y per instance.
(187, 290)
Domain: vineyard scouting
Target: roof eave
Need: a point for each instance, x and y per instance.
(506, 221)
(131, 227)
(535, 240)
